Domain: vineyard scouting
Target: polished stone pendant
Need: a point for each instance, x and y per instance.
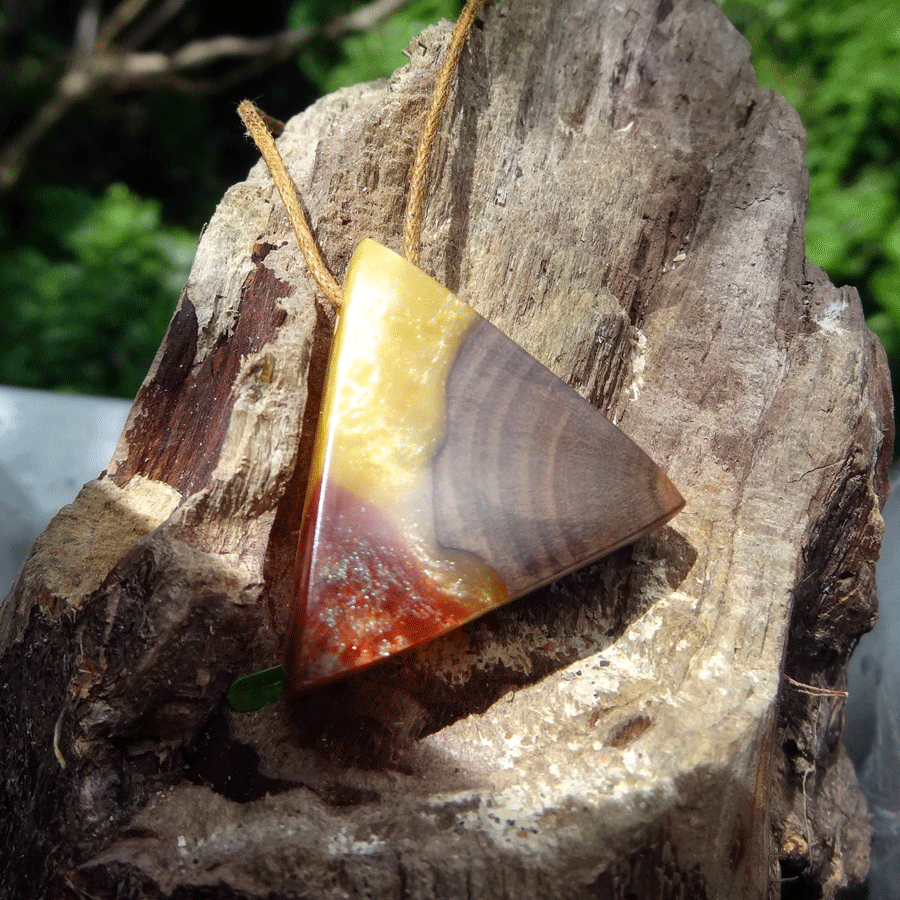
(452, 472)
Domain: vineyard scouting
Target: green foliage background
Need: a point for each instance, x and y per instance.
(373, 54)
(86, 292)
(89, 273)
(838, 65)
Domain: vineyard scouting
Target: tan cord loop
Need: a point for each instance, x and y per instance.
(259, 131)
(261, 127)
(415, 203)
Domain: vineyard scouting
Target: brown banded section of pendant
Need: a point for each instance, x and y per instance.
(559, 485)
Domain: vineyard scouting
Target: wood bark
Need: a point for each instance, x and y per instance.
(615, 192)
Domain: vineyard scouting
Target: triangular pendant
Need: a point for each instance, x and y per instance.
(452, 473)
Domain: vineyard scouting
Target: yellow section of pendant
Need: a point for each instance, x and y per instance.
(398, 333)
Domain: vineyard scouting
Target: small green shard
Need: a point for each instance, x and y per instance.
(250, 692)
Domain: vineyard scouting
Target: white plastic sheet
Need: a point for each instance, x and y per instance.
(873, 712)
(50, 445)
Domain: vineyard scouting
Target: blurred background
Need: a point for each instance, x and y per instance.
(119, 135)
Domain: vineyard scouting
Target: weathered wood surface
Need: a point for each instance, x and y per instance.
(614, 191)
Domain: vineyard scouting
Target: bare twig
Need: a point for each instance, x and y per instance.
(121, 17)
(361, 19)
(106, 58)
(86, 28)
(151, 24)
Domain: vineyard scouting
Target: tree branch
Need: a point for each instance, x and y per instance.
(105, 59)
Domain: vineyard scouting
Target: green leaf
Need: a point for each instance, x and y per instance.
(251, 692)
(376, 53)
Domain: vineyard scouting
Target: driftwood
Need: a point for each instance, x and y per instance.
(615, 192)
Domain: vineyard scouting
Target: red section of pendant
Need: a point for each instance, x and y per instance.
(361, 594)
